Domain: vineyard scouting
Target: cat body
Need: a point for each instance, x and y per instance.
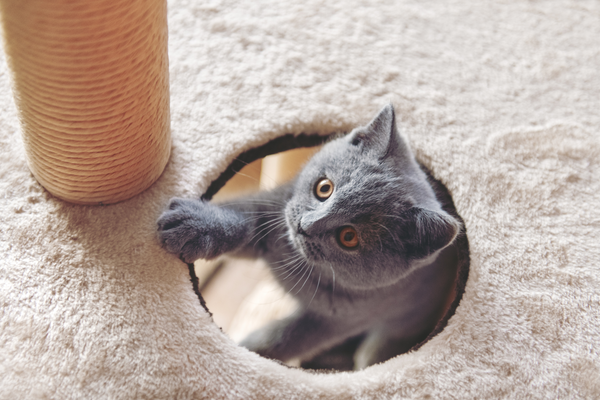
(359, 237)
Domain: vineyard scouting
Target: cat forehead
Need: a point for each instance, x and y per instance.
(342, 155)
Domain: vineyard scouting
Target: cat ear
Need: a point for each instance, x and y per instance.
(381, 134)
(429, 231)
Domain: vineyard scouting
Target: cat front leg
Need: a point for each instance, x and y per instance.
(302, 335)
(193, 229)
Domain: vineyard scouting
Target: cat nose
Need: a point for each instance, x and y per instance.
(313, 224)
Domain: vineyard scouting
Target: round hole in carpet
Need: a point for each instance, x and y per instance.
(242, 295)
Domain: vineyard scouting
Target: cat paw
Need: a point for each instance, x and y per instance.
(193, 229)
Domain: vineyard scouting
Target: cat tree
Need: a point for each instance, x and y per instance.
(499, 101)
(92, 88)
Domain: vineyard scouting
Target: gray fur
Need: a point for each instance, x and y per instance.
(391, 288)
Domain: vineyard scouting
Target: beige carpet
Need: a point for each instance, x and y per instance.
(500, 100)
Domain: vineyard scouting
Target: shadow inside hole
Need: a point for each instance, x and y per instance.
(243, 295)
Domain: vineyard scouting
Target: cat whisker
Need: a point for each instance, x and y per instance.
(391, 235)
(261, 172)
(246, 163)
(380, 243)
(256, 218)
(242, 161)
(262, 212)
(256, 200)
(286, 265)
(290, 260)
(275, 226)
(304, 264)
(394, 216)
(317, 288)
(333, 272)
(246, 175)
(252, 219)
(283, 235)
(312, 267)
(292, 254)
(262, 202)
(276, 222)
(294, 269)
(260, 228)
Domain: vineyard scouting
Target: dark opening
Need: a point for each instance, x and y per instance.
(217, 276)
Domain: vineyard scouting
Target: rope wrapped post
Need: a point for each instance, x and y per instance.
(91, 84)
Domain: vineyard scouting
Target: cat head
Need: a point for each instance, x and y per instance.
(363, 208)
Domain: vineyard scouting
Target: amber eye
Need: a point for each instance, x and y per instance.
(324, 189)
(348, 237)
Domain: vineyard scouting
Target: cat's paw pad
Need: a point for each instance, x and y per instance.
(184, 229)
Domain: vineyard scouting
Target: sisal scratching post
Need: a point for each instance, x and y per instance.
(90, 80)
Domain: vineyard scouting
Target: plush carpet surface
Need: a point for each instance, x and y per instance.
(499, 100)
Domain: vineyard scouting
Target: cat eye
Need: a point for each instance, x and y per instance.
(324, 189)
(348, 237)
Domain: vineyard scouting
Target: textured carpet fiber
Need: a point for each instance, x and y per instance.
(500, 101)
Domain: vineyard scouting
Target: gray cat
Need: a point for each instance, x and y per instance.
(358, 237)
